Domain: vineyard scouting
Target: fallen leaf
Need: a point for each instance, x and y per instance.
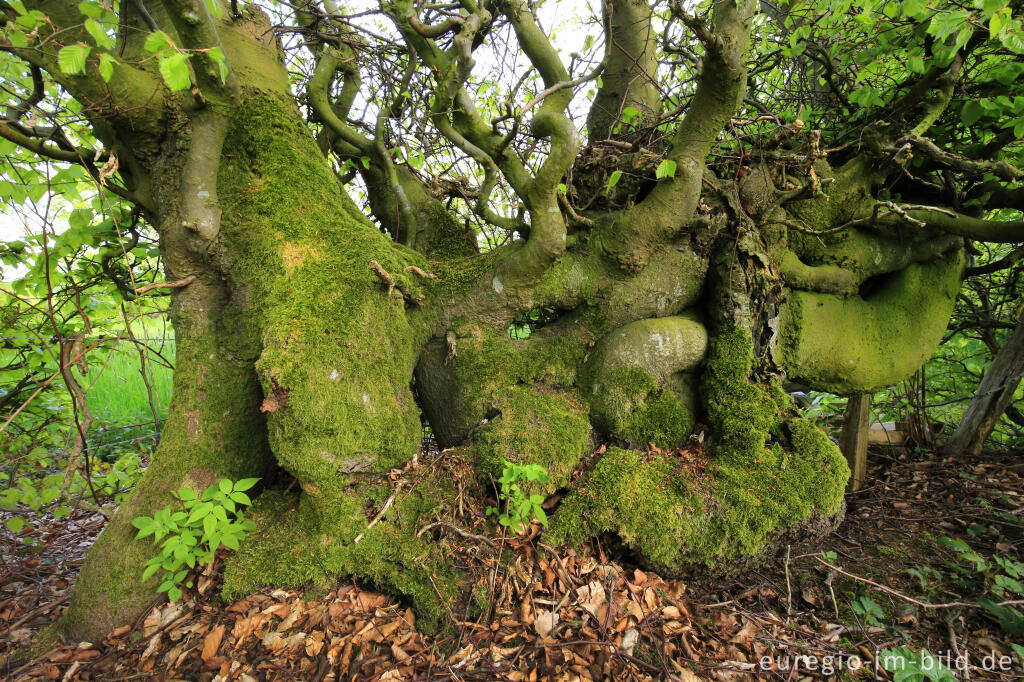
(212, 642)
(314, 643)
(629, 640)
(545, 622)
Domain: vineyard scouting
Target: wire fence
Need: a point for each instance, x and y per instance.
(61, 339)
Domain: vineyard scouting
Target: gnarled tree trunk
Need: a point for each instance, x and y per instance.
(313, 340)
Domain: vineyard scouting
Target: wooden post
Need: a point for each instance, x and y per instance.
(854, 439)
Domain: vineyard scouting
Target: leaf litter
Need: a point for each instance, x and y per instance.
(585, 614)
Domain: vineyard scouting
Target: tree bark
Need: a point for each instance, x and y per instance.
(994, 395)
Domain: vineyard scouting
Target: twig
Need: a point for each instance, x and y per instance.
(789, 587)
(915, 602)
(165, 285)
(465, 534)
(380, 514)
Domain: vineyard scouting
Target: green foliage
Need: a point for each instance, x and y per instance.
(520, 508)
(911, 666)
(192, 534)
(1000, 577)
(869, 610)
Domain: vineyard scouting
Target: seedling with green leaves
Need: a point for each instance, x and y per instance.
(520, 508)
(192, 535)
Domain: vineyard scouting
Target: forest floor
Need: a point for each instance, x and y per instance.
(895, 591)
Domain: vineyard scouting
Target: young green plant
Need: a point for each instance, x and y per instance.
(192, 535)
(520, 508)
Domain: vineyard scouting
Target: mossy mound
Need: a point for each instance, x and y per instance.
(855, 345)
(630, 404)
(769, 474)
(292, 546)
(549, 429)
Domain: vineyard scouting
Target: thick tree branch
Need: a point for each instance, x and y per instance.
(961, 164)
(1000, 231)
(198, 31)
(635, 232)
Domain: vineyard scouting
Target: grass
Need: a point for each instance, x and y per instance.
(117, 393)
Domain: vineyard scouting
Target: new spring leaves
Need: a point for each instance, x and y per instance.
(195, 532)
(100, 23)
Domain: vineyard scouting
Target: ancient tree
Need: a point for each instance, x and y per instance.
(758, 194)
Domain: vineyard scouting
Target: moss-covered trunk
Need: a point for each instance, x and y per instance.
(662, 325)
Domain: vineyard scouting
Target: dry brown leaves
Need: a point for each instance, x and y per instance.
(552, 616)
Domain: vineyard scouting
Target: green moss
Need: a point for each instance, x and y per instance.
(768, 475)
(457, 276)
(337, 350)
(446, 238)
(488, 365)
(292, 547)
(549, 429)
(628, 403)
(636, 499)
(212, 431)
(741, 415)
(851, 345)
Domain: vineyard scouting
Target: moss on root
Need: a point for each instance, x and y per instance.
(769, 474)
(292, 547)
(551, 429)
(213, 430)
(629, 404)
(337, 345)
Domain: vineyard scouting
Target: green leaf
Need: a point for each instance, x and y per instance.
(365, 160)
(187, 494)
(614, 179)
(913, 8)
(157, 42)
(71, 58)
(209, 525)
(666, 169)
(174, 70)
(142, 522)
(17, 37)
(216, 55)
(91, 8)
(99, 35)
(174, 594)
(106, 66)
(971, 113)
(199, 511)
(245, 484)
(1014, 39)
(150, 570)
(241, 498)
(15, 524)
